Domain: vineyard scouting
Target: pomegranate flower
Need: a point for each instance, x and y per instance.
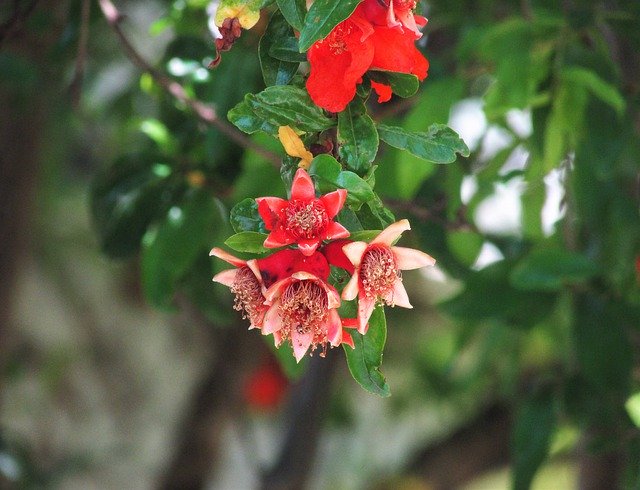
(246, 283)
(304, 219)
(395, 13)
(377, 271)
(303, 311)
(251, 278)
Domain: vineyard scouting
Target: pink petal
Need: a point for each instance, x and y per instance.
(409, 258)
(335, 231)
(307, 247)
(300, 343)
(302, 275)
(398, 296)
(350, 291)
(277, 338)
(334, 330)
(278, 238)
(227, 257)
(354, 251)
(333, 297)
(227, 277)
(392, 232)
(255, 268)
(272, 320)
(409, 21)
(333, 202)
(302, 188)
(275, 289)
(365, 309)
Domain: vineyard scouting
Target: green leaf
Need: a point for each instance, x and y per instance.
(125, 199)
(248, 241)
(322, 17)
(294, 11)
(286, 105)
(286, 49)
(357, 137)
(439, 144)
(170, 248)
(364, 235)
(245, 217)
(551, 268)
(402, 84)
(275, 71)
(465, 245)
(633, 408)
(365, 360)
(534, 426)
(331, 176)
(246, 120)
(590, 80)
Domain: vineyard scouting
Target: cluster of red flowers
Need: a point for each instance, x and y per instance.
(380, 34)
(287, 293)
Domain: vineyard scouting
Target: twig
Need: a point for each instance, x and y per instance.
(81, 59)
(204, 112)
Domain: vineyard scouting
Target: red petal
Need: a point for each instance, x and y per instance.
(302, 188)
(315, 264)
(307, 247)
(337, 64)
(269, 209)
(335, 231)
(396, 51)
(384, 91)
(348, 339)
(336, 256)
(277, 266)
(333, 202)
(278, 238)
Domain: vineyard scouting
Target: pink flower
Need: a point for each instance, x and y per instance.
(250, 280)
(304, 219)
(303, 311)
(377, 271)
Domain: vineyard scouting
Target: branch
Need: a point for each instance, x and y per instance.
(204, 112)
(76, 85)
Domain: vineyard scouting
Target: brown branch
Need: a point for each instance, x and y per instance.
(81, 59)
(204, 112)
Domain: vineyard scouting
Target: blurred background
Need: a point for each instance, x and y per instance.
(124, 366)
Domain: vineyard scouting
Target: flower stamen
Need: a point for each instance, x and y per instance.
(249, 298)
(305, 220)
(378, 272)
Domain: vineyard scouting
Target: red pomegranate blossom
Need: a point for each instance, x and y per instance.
(303, 311)
(304, 219)
(377, 271)
(378, 35)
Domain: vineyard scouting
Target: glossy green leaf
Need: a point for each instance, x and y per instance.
(170, 248)
(551, 268)
(402, 84)
(322, 17)
(275, 71)
(124, 201)
(534, 425)
(286, 49)
(357, 137)
(439, 144)
(245, 217)
(294, 11)
(365, 360)
(248, 241)
(286, 105)
(364, 235)
(246, 120)
(329, 171)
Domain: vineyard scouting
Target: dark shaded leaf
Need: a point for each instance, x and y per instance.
(245, 217)
(275, 71)
(357, 137)
(294, 11)
(402, 84)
